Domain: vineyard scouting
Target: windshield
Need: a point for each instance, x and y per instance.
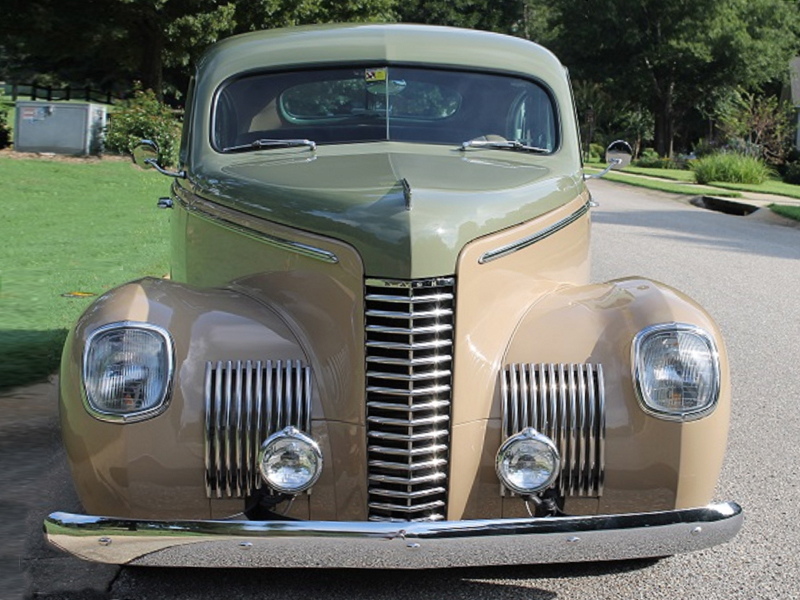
(332, 106)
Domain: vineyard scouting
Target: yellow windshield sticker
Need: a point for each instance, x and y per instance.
(374, 75)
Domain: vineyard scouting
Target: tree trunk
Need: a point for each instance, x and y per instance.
(151, 68)
(665, 123)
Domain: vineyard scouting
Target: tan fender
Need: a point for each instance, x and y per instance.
(651, 463)
(130, 469)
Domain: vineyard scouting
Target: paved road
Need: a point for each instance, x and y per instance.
(745, 270)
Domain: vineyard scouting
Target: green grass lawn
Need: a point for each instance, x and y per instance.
(671, 174)
(69, 227)
(792, 212)
(673, 187)
(772, 186)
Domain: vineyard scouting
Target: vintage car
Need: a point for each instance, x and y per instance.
(379, 344)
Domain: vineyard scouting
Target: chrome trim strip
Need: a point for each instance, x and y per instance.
(408, 480)
(391, 314)
(410, 346)
(406, 545)
(534, 238)
(405, 466)
(400, 437)
(202, 209)
(435, 389)
(409, 331)
(421, 451)
(412, 423)
(416, 408)
(409, 362)
(412, 300)
(404, 377)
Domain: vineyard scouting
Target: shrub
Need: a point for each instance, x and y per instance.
(144, 117)
(792, 173)
(704, 148)
(5, 131)
(650, 159)
(730, 168)
(596, 153)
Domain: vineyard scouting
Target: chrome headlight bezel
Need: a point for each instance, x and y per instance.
(528, 435)
(163, 398)
(637, 361)
(293, 434)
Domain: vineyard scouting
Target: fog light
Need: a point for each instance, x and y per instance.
(528, 462)
(290, 462)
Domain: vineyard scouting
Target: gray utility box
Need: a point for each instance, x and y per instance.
(59, 127)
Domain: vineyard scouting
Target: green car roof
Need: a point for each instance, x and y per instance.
(390, 43)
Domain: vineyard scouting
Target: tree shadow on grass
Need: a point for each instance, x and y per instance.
(29, 356)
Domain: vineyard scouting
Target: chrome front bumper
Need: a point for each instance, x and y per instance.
(392, 545)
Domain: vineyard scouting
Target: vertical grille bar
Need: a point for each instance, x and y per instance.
(245, 403)
(566, 403)
(409, 359)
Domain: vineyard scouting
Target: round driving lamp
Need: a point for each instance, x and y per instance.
(290, 462)
(528, 462)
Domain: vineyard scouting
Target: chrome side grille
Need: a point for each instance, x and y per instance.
(567, 404)
(409, 355)
(245, 403)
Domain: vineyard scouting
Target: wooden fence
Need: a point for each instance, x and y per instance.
(69, 92)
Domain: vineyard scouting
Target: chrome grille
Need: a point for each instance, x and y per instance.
(245, 403)
(567, 404)
(409, 355)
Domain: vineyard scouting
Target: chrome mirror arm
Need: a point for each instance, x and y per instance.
(153, 162)
(614, 162)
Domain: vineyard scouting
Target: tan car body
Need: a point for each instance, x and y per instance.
(246, 287)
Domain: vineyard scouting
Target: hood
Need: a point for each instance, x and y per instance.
(408, 212)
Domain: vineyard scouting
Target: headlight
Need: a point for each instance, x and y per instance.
(290, 461)
(527, 462)
(127, 371)
(676, 371)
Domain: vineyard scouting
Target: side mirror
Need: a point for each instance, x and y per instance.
(145, 155)
(618, 156)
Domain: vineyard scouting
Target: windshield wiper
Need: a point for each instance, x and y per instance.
(269, 143)
(503, 145)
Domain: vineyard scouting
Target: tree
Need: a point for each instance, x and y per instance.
(488, 15)
(669, 54)
(107, 41)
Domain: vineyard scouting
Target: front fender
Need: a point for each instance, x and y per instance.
(130, 469)
(651, 464)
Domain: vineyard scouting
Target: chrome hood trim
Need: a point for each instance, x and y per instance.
(292, 544)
